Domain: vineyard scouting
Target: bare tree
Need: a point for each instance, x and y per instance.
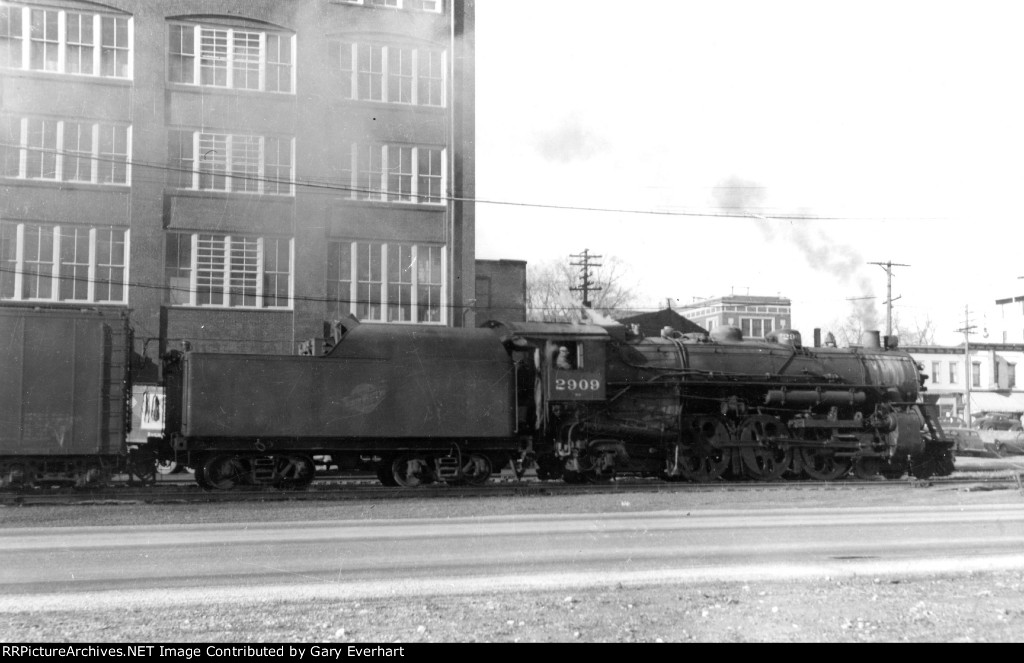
(917, 332)
(850, 330)
(548, 295)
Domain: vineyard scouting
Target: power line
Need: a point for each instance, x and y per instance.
(295, 298)
(327, 185)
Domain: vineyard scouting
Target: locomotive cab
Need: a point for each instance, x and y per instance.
(574, 370)
(563, 381)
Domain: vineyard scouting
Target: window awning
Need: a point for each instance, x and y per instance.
(988, 401)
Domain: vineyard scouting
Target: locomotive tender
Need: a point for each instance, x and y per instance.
(577, 402)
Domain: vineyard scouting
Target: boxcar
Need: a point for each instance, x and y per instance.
(64, 393)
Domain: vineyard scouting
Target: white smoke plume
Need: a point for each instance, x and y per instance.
(736, 196)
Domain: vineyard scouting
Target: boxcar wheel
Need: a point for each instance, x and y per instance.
(16, 475)
(141, 465)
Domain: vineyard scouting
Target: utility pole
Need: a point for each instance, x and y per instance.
(586, 285)
(887, 266)
(967, 329)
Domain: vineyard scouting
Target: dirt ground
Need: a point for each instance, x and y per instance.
(972, 608)
(968, 607)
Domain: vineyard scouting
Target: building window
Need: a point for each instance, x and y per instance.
(975, 374)
(233, 271)
(231, 162)
(433, 6)
(65, 42)
(995, 372)
(232, 58)
(390, 73)
(387, 282)
(395, 173)
(1011, 376)
(42, 262)
(954, 372)
(935, 372)
(756, 327)
(39, 148)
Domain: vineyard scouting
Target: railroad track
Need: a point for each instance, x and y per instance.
(358, 489)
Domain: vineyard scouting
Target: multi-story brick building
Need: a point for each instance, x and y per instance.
(500, 291)
(237, 171)
(756, 316)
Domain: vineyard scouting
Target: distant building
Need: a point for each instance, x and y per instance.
(755, 316)
(652, 323)
(237, 171)
(500, 291)
(990, 369)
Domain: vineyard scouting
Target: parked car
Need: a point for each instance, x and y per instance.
(995, 421)
(1010, 446)
(969, 443)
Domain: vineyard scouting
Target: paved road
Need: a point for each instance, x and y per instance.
(90, 567)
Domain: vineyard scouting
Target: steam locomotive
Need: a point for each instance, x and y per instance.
(415, 404)
(701, 407)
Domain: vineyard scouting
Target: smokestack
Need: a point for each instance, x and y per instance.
(871, 340)
(817, 337)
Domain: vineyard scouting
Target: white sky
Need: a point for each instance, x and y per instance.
(905, 119)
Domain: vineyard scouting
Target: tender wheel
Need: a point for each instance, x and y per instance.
(222, 472)
(296, 471)
(476, 469)
(762, 458)
(823, 465)
(411, 471)
(385, 475)
(167, 467)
